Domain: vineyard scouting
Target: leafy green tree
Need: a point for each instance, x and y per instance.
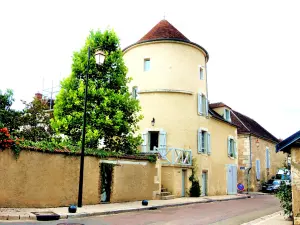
(35, 122)
(8, 117)
(112, 113)
(284, 194)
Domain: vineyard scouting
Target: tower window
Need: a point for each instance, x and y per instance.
(146, 64)
(201, 73)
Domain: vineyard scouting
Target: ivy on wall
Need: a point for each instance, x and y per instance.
(195, 188)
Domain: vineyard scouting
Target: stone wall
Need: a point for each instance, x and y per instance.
(39, 179)
(258, 151)
(295, 169)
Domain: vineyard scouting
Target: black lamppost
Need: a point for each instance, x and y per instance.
(99, 57)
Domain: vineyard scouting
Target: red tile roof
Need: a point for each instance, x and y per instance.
(164, 30)
(248, 125)
(217, 105)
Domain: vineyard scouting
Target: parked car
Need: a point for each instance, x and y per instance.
(274, 186)
(266, 184)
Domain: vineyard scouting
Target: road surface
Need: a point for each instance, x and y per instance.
(227, 212)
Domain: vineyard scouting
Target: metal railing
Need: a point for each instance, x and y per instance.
(175, 156)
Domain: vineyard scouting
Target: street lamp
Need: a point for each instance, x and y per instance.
(99, 57)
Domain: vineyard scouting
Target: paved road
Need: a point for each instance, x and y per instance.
(227, 212)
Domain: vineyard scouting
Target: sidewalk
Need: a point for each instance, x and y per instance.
(277, 218)
(113, 208)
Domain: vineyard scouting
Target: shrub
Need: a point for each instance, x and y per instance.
(284, 194)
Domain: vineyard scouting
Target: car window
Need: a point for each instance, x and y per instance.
(276, 182)
(270, 182)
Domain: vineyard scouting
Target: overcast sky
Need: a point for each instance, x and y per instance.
(254, 47)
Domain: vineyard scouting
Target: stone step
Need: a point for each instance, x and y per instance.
(164, 193)
(167, 197)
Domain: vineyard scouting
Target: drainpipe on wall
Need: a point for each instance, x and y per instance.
(206, 78)
(250, 164)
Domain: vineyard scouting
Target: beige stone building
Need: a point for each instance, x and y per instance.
(291, 145)
(257, 158)
(170, 80)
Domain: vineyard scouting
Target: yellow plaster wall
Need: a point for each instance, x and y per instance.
(175, 66)
(132, 182)
(258, 152)
(172, 179)
(172, 66)
(295, 169)
(46, 180)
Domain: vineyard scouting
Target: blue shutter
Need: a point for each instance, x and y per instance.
(145, 141)
(228, 146)
(199, 103)
(206, 101)
(137, 91)
(162, 141)
(267, 158)
(199, 140)
(258, 169)
(208, 144)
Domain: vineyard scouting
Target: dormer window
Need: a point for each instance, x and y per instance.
(227, 115)
(146, 64)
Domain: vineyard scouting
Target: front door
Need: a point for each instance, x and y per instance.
(183, 183)
(204, 183)
(231, 179)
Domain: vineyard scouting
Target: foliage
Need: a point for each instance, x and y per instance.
(195, 188)
(35, 121)
(284, 194)
(6, 141)
(152, 158)
(9, 118)
(112, 114)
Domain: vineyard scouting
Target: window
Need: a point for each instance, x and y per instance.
(258, 169)
(146, 64)
(231, 148)
(153, 139)
(204, 142)
(135, 92)
(227, 115)
(202, 104)
(268, 162)
(201, 73)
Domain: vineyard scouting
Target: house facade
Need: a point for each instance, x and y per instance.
(169, 78)
(257, 158)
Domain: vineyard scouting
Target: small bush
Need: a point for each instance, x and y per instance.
(284, 194)
(195, 189)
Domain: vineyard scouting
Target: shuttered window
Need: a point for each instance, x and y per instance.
(268, 161)
(204, 142)
(258, 169)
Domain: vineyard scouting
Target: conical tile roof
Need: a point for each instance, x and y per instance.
(163, 30)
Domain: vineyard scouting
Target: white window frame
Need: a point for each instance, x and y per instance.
(201, 72)
(147, 67)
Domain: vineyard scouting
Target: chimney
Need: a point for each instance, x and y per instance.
(38, 96)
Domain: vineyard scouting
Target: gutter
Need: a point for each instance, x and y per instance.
(248, 175)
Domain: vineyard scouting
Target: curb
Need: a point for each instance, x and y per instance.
(263, 219)
(79, 215)
(119, 211)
